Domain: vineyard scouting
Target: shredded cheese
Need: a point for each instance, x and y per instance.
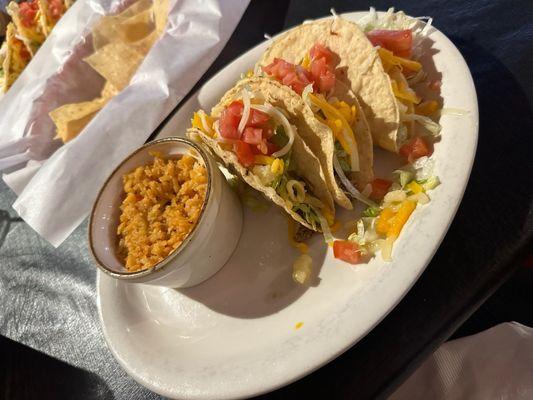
(263, 160)
(340, 127)
(389, 60)
(405, 93)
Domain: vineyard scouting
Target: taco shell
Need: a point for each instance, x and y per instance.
(305, 163)
(16, 57)
(359, 68)
(32, 36)
(47, 20)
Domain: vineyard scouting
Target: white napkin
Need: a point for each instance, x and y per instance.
(494, 364)
(58, 184)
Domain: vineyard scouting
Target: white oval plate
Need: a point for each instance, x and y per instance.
(235, 335)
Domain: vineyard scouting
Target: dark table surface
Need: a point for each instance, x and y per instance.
(491, 233)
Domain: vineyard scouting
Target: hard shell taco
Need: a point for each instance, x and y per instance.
(15, 57)
(399, 43)
(50, 12)
(345, 149)
(352, 60)
(27, 19)
(257, 129)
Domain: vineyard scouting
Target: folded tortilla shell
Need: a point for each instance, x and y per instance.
(359, 67)
(230, 160)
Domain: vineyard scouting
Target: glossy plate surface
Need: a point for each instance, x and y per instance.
(236, 334)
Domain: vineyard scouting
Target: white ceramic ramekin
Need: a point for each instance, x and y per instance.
(202, 253)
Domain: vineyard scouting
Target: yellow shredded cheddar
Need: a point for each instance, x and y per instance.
(414, 187)
(427, 108)
(277, 166)
(382, 223)
(401, 217)
(405, 93)
(389, 60)
(263, 160)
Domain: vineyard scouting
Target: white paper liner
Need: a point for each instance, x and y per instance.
(56, 183)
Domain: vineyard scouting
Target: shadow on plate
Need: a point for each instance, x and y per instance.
(257, 280)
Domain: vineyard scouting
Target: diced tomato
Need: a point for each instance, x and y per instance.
(322, 68)
(257, 118)
(28, 10)
(323, 75)
(235, 108)
(56, 9)
(417, 147)
(399, 42)
(321, 51)
(321, 71)
(347, 251)
(380, 187)
(252, 135)
(229, 121)
(244, 153)
(289, 74)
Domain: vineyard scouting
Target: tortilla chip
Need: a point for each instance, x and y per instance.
(70, 119)
(136, 27)
(161, 9)
(116, 62)
(133, 24)
(108, 91)
(135, 8)
(143, 46)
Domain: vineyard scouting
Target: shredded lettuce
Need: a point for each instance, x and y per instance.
(308, 213)
(342, 157)
(427, 123)
(404, 176)
(431, 183)
(371, 212)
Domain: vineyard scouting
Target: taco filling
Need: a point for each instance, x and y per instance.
(266, 147)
